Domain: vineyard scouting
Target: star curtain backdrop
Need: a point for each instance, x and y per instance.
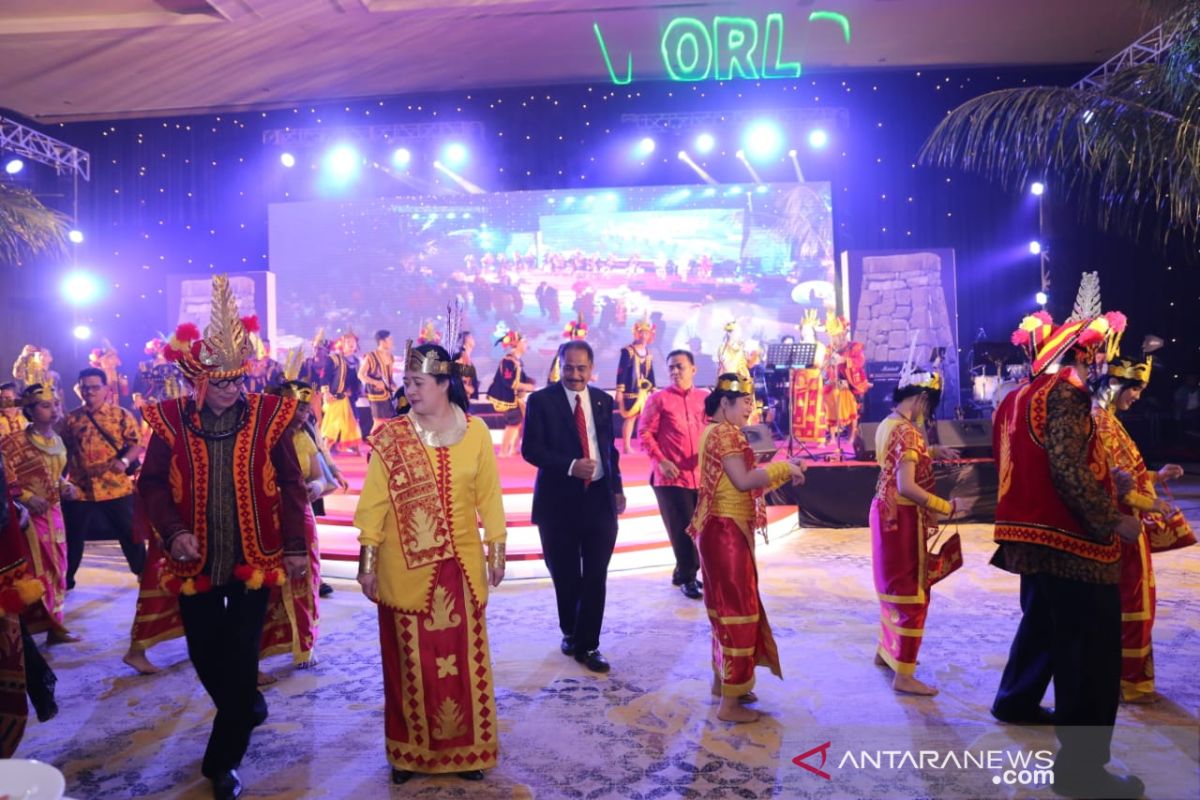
(190, 194)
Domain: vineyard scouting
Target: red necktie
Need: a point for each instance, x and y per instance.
(581, 429)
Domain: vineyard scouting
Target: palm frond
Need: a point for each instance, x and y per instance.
(1127, 153)
(27, 226)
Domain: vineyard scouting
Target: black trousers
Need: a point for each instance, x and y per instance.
(111, 519)
(40, 679)
(577, 554)
(223, 629)
(1070, 631)
(677, 504)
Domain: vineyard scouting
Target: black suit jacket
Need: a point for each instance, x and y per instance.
(551, 442)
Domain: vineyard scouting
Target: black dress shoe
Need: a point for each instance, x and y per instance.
(471, 775)
(46, 709)
(691, 589)
(325, 589)
(1097, 785)
(1039, 716)
(592, 660)
(227, 785)
(400, 776)
(568, 646)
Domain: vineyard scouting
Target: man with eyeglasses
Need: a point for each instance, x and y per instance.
(223, 489)
(102, 447)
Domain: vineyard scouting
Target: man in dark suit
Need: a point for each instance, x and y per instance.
(577, 496)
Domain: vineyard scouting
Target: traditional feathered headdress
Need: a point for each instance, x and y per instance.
(836, 325)
(1087, 328)
(510, 338)
(910, 375)
(37, 393)
(226, 348)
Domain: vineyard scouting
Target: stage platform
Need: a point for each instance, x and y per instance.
(641, 541)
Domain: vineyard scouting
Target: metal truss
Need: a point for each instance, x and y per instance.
(1148, 49)
(690, 120)
(405, 132)
(36, 146)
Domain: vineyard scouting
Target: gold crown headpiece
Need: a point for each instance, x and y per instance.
(1131, 370)
(38, 393)
(735, 385)
(810, 318)
(922, 378)
(425, 363)
(301, 391)
(292, 364)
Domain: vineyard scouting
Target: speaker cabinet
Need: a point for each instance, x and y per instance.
(761, 442)
(971, 437)
(864, 442)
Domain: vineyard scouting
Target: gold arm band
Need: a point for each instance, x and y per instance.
(935, 503)
(368, 560)
(496, 556)
(778, 473)
(1139, 501)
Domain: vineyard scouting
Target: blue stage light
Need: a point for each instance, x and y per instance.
(80, 288)
(82, 332)
(14, 166)
(401, 158)
(1035, 247)
(287, 159)
(763, 140)
(817, 138)
(454, 155)
(705, 143)
(644, 147)
(1041, 298)
(343, 162)
(1037, 188)
(76, 236)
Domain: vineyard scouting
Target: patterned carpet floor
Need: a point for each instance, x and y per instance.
(646, 730)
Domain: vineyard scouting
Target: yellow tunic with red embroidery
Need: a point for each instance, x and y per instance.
(1138, 591)
(421, 505)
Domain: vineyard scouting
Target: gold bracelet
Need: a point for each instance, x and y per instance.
(777, 473)
(496, 559)
(937, 504)
(368, 560)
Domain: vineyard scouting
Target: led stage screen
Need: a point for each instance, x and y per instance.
(692, 258)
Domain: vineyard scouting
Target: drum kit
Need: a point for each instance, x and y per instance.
(999, 369)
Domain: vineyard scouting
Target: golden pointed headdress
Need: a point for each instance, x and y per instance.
(910, 375)
(1128, 370)
(836, 325)
(735, 385)
(810, 319)
(226, 348)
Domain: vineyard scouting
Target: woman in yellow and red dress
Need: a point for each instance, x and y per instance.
(729, 509)
(845, 378)
(1162, 527)
(432, 478)
(36, 457)
(903, 512)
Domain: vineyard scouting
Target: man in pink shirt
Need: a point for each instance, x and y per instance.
(670, 429)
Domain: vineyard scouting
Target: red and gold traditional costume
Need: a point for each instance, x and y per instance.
(845, 374)
(419, 506)
(18, 589)
(1159, 532)
(36, 463)
(723, 526)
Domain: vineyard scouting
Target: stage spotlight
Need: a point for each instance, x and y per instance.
(1037, 188)
(82, 332)
(740, 155)
(454, 155)
(817, 138)
(14, 166)
(343, 162)
(401, 158)
(792, 153)
(76, 236)
(287, 159)
(462, 182)
(80, 288)
(1035, 247)
(1041, 298)
(763, 140)
(704, 176)
(644, 147)
(705, 143)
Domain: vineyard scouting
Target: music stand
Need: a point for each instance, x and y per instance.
(790, 356)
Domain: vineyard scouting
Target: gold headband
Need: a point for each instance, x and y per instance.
(302, 392)
(737, 386)
(38, 393)
(425, 363)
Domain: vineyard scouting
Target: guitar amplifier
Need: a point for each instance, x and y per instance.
(972, 438)
(761, 442)
(884, 377)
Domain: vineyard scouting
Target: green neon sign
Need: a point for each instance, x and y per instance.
(731, 49)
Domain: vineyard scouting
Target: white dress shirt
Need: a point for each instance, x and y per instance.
(593, 443)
